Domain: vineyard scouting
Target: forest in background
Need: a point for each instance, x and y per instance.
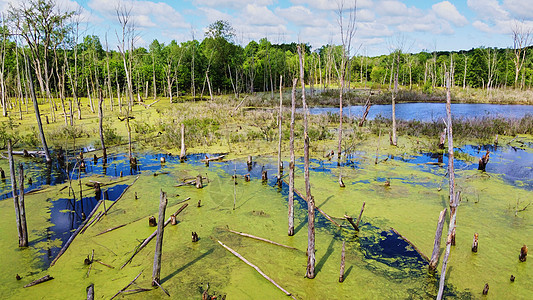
(66, 65)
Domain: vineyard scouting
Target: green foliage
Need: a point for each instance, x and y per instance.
(66, 132)
(30, 139)
(7, 133)
(110, 135)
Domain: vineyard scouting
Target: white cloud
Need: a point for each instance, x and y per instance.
(487, 9)
(230, 3)
(213, 15)
(448, 11)
(142, 13)
(521, 9)
(392, 8)
(365, 15)
(261, 15)
(301, 16)
(334, 4)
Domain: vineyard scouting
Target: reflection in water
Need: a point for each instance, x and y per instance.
(67, 214)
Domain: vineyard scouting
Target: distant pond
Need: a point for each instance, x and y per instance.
(429, 112)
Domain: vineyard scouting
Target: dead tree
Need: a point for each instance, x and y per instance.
(18, 198)
(454, 198)
(521, 41)
(451, 171)
(394, 138)
(159, 240)
(347, 31)
(37, 113)
(100, 124)
(183, 154)
(341, 275)
(280, 166)
(436, 245)
(291, 164)
(310, 200)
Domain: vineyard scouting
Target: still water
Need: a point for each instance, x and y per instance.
(429, 112)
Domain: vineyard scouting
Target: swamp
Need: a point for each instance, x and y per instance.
(214, 170)
(403, 188)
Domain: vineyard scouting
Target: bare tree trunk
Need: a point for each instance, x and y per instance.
(37, 114)
(341, 92)
(464, 75)
(155, 84)
(436, 245)
(394, 140)
(183, 154)
(19, 81)
(2, 73)
(100, 123)
(159, 240)
(89, 95)
(14, 189)
(291, 164)
(22, 208)
(310, 200)
(280, 117)
(451, 170)
(209, 85)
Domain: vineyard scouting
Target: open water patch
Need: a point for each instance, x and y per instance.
(514, 164)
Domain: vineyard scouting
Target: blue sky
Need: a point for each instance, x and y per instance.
(381, 24)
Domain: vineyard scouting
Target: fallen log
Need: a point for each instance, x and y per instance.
(104, 264)
(412, 245)
(256, 268)
(40, 280)
(317, 208)
(436, 244)
(73, 236)
(92, 221)
(123, 290)
(149, 105)
(186, 183)
(260, 239)
(111, 229)
(115, 202)
(151, 237)
(214, 158)
(27, 153)
(360, 216)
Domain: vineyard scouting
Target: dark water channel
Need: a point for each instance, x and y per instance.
(429, 112)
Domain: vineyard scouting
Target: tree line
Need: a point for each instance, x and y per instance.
(67, 66)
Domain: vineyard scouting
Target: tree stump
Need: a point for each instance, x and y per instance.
(249, 162)
(199, 184)
(486, 289)
(442, 139)
(475, 243)
(523, 254)
(483, 161)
